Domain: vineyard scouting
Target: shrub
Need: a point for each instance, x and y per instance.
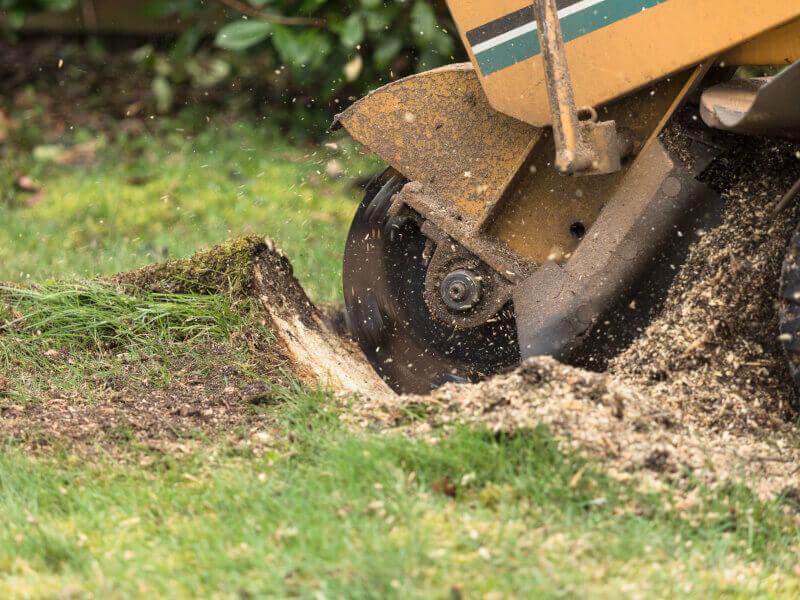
(331, 45)
(313, 54)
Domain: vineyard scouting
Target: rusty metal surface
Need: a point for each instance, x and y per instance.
(536, 218)
(438, 129)
(472, 236)
(533, 220)
(449, 256)
(760, 106)
(384, 276)
(571, 151)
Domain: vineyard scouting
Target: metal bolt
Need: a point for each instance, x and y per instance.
(460, 290)
(457, 291)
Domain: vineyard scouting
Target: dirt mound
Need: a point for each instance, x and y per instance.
(601, 416)
(256, 268)
(703, 392)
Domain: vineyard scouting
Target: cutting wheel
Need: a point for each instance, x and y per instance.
(384, 281)
(789, 307)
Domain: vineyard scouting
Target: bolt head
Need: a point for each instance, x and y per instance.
(460, 290)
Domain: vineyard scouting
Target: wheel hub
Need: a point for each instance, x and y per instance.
(460, 290)
(399, 310)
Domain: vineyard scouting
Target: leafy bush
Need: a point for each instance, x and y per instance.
(311, 54)
(332, 44)
(14, 11)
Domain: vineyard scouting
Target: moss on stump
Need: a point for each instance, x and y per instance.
(224, 269)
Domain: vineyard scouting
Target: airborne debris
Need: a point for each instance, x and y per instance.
(352, 70)
(334, 169)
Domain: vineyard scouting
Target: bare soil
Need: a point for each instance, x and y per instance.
(135, 409)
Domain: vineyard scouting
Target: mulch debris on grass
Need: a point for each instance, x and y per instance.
(703, 393)
(133, 408)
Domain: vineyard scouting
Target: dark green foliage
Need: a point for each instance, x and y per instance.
(14, 11)
(314, 54)
(331, 34)
(315, 40)
(342, 48)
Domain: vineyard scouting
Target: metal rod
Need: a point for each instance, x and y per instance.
(566, 127)
(787, 199)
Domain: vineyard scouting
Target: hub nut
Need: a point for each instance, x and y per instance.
(460, 290)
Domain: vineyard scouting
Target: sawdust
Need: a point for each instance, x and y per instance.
(602, 417)
(713, 354)
(703, 393)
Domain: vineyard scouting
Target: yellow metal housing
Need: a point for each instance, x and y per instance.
(437, 128)
(613, 46)
(780, 46)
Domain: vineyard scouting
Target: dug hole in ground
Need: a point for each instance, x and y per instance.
(702, 395)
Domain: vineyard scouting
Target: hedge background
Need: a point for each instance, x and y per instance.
(314, 54)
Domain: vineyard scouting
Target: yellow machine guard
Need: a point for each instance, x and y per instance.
(615, 46)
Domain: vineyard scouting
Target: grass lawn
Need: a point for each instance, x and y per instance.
(313, 510)
(329, 514)
(172, 189)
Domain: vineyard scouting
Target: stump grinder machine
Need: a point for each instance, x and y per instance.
(534, 195)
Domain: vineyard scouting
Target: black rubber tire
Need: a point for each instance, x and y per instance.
(789, 307)
(383, 278)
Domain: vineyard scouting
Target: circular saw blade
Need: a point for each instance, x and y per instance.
(384, 282)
